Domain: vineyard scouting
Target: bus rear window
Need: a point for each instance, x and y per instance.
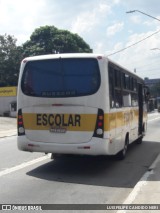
(61, 77)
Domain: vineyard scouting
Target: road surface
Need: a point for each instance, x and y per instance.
(33, 178)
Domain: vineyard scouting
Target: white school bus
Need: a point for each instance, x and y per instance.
(79, 104)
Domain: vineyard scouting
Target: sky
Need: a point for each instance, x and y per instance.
(103, 24)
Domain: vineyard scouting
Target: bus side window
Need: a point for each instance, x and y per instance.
(126, 99)
(111, 87)
(134, 98)
(117, 88)
(118, 98)
(27, 87)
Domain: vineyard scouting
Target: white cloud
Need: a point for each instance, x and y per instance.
(84, 22)
(99, 47)
(103, 8)
(103, 24)
(151, 7)
(140, 56)
(136, 19)
(87, 20)
(117, 27)
(18, 16)
(116, 1)
(118, 46)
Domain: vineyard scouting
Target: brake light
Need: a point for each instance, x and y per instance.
(21, 130)
(99, 128)
(24, 61)
(99, 57)
(100, 124)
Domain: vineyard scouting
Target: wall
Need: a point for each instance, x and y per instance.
(7, 96)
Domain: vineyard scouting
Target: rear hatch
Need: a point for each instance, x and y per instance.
(61, 81)
(60, 124)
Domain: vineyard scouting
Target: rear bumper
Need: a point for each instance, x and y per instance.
(96, 146)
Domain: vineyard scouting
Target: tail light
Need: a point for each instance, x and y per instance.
(99, 128)
(21, 130)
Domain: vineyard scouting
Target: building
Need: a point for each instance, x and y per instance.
(8, 101)
(154, 86)
(151, 82)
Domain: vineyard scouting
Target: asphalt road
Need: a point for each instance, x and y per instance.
(32, 178)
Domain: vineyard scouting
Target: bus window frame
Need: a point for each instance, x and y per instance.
(128, 88)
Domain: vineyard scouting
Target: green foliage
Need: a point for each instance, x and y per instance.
(10, 56)
(44, 40)
(50, 40)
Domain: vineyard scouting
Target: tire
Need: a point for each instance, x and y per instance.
(122, 154)
(139, 140)
(55, 156)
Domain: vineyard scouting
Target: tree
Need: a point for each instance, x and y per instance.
(49, 40)
(10, 57)
(44, 40)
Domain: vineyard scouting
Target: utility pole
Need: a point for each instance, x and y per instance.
(132, 11)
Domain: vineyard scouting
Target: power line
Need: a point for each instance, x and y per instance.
(134, 43)
(156, 69)
(141, 65)
(132, 11)
(145, 65)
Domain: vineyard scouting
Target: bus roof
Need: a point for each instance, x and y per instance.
(80, 55)
(126, 70)
(64, 55)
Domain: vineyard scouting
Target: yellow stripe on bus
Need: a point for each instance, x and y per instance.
(79, 122)
(119, 119)
(72, 122)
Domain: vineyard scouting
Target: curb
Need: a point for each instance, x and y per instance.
(138, 187)
(6, 133)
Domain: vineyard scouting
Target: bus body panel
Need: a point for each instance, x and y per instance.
(68, 125)
(59, 124)
(94, 147)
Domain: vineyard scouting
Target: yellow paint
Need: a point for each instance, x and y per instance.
(87, 121)
(119, 119)
(8, 91)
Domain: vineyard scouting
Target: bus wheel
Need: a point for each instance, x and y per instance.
(122, 154)
(55, 156)
(139, 140)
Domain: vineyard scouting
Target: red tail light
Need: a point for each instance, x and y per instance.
(99, 128)
(100, 124)
(21, 130)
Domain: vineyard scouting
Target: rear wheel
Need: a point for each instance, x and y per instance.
(122, 154)
(139, 140)
(55, 156)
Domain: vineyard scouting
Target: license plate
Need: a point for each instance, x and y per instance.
(58, 130)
